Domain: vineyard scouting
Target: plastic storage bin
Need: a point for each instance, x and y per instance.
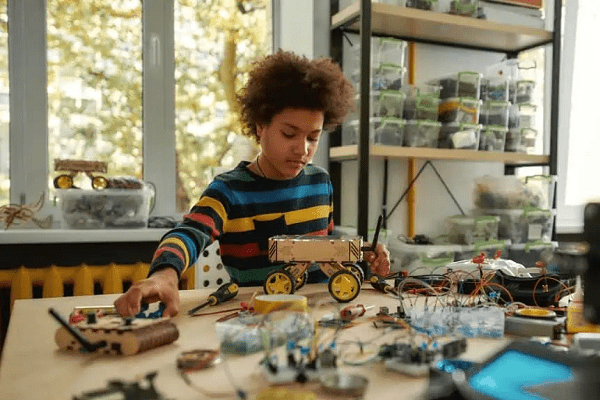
(494, 88)
(523, 92)
(464, 7)
(421, 258)
(541, 189)
(384, 50)
(492, 138)
(101, 209)
(421, 133)
(456, 135)
(526, 115)
(383, 77)
(492, 192)
(527, 254)
(384, 103)
(464, 229)
(495, 112)
(460, 109)
(460, 84)
(422, 106)
(520, 140)
(421, 4)
(523, 225)
(382, 130)
(489, 247)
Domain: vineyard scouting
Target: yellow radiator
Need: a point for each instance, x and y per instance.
(52, 279)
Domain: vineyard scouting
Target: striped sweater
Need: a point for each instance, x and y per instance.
(242, 210)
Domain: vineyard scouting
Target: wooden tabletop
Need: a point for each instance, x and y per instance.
(32, 366)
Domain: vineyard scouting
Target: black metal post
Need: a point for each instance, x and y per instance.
(363, 140)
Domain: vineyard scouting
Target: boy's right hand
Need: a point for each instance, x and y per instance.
(160, 286)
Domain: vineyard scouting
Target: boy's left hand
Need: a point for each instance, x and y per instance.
(379, 260)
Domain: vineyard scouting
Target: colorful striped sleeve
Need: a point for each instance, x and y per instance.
(179, 248)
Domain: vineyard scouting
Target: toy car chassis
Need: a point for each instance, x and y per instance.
(338, 258)
(74, 167)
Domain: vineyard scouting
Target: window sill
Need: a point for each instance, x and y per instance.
(21, 236)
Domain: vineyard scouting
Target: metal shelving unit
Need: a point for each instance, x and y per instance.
(377, 19)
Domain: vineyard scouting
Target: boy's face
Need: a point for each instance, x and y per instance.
(289, 142)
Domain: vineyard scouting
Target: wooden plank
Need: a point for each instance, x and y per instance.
(429, 26)
(342, 153)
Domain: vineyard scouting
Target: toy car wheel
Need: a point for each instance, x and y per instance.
(279, 281)
(99, 182)
(356, 270)
(301, 280)
(344, 286)
(63, 182)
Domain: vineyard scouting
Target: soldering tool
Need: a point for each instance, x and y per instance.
(380, 284)
(225, 292)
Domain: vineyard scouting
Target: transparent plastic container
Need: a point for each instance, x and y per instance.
(494, 88)
(503, 192)
(527, 254)
(527, 114)
(421, 4)
(489, 247)
(523, 225)
(382, 130)
(460, 84)
(513, 143)
(384, 103)
(464, 7)
(523, 92)
(492, 138)
(421, 133)
(456, 135)
(464, 229)
(382, 77)
(104, 209)
(421, 258)
(423, 89)
(422, 107)
(384, 50)
(495, 112)
(460, 109)
(541, 189)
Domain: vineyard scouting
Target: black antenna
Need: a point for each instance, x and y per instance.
(89, 346)
(375, 236)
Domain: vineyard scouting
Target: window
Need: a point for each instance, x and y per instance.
(213, 49)
(97, 81)
(95, 84)
(580, 129)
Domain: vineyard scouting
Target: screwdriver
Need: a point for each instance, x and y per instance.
(380, 284)
(351, 312)
(225, 292)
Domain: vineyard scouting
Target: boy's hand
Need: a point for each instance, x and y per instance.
(379, 260)
(160, 286)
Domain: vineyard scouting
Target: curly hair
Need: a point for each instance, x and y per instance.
(286, 80)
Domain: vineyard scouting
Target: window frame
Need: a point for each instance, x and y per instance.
(28, 131)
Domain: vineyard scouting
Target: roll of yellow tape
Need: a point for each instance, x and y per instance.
(279, 302)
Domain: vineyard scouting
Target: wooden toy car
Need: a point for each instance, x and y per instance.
(74, 167)
(338, 258)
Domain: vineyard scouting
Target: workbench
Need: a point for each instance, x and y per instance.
(32, 367)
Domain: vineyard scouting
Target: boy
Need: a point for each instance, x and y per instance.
(286, 104)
